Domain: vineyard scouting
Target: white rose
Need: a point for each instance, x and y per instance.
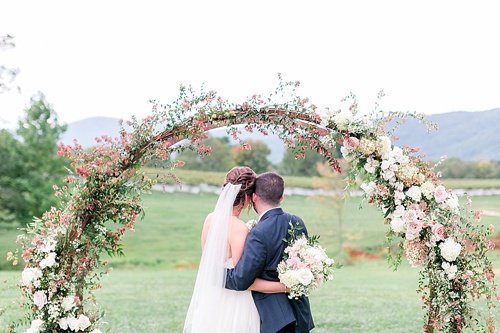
(342, 120)
(371, 165)
(399, 195)
(450, 269)
(452, 203)
(369, 188)
(83, 322)
(450, 249)
(73, 324)
(68, 302)
(414, 193)
(346, 154)
(63, 323)
(35, 326)
(30, 275)
(428, 189)
(49, 261)
(398, 225)
(304, 276)
(48, 246)
(289, 278)
(384, 145)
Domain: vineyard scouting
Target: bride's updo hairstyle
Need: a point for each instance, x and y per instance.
(245, 177)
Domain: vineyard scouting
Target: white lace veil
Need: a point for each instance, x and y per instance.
(211, 278)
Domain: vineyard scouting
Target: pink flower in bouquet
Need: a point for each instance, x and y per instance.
(415, 252)
(83, 322)
(351, 143)
(294, 262)
(413, 227)
(410, 216)
(438, 231)
(440, 194)
(40, 299)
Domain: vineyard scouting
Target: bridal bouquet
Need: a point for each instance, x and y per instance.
(305, 265)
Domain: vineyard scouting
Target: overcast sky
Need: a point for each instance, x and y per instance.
(109, 58)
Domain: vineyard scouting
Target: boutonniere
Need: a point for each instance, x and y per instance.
(251, 223)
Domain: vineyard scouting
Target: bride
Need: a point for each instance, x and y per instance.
(214, 308)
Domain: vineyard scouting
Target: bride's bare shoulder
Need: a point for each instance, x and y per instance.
(238, 224)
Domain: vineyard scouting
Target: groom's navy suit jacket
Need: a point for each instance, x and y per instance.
(263, 251)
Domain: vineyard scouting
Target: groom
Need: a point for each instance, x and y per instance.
(263, 251)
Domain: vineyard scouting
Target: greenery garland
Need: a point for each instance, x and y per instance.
(63, 249)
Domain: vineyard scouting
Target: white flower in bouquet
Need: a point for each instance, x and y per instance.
(305, 276)
(343, 119)
(36, 325)
(68, 302)
(452, 203)
(325, 114)
(49, 261)
(305, 265)
(371, 165)
(398, 225)
(428, 189)
(251, 223)
(414, 193)
(289, 277)
(346, 153)
(383, 145)
(450, 249)
(369, 188)
(449, 269)
(30, 275)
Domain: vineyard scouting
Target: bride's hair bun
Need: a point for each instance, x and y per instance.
(245, 177)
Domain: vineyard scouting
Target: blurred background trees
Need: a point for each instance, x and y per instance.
(30, 164)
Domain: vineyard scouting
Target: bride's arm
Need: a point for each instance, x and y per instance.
(269, 287)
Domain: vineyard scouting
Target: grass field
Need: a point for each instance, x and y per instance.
(149, 290)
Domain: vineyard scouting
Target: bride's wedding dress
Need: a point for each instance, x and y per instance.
(213, 308)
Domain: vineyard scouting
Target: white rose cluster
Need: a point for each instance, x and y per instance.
(450, 249)
(75, 324)
(35, 327)
(343, 119)
(30, 276)
(326, 115)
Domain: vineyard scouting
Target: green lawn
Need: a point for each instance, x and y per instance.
(149, 290)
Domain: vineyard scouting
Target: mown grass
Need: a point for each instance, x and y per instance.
(362, 298)
(149, 289)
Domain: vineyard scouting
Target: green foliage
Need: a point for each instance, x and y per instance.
(30, 164)
(298, 165)
(220, 158)
(253, 154)
(459, 169)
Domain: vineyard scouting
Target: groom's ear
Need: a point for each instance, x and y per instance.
(254, 197)
(282, 197)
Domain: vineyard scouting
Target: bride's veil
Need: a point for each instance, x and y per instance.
(211, 278)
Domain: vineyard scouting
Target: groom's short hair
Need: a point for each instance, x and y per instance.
(269, 187)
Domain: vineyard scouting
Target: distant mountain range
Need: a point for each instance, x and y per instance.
(465, 135)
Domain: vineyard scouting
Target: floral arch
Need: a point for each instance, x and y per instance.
(63, 249)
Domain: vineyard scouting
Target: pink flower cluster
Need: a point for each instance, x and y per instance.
(305, 267)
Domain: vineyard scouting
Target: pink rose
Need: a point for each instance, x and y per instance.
(40, 299)
(83, 322)
(440, 194)
(410, 216)
(351, 143)
(413, 228)
(438, 230)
